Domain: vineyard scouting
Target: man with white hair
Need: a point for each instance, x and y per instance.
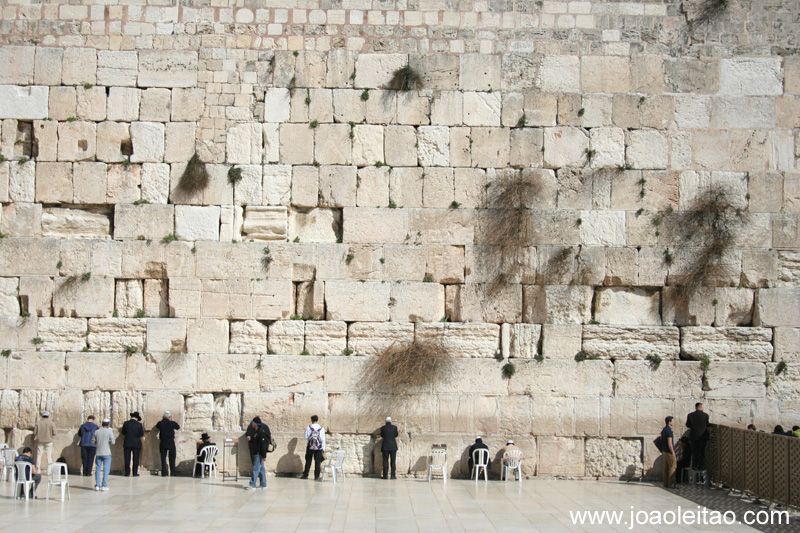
(389, 447)
(166, 436)
(509, 446)
(43, 433)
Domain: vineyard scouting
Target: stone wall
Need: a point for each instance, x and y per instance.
(342, 216)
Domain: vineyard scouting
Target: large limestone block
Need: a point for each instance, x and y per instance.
(123, 104)
(416, 302)
(38, 292)
(481, 302)
(588, 378)
(167, 68)
(9, 408)
(117, 68)
(367, 145)
(296, 144)
(784, 385)
(560, 73)
(461, 339)
(786, 342)
(374, 338)
(235, 372)
(148, 142)
(166, 335)
(400, 146)
(227, 412)
(123, 183)
(76, 141)
(91, 103)
(564, 146)
(75, 223)
(75, 296)
(609, 147)
(197, 223)
(17, 333)
(149, 221)
(160, 371)
(245, 144)
(103, 371)
(631, 342)
(647, 149)
(21, 181)
(627, 306)
(376, 70)
(603, 228)
(207, 335)
(24, 103)
(348, 106)
(265, 223)
(736, 380)
(277, 184)
(438, 187)
(777, 307)
(21, 220)
(479, 72)
(156, 294)
(557, 304)
(305, 186)
(751, 76)
(316, 225)
(21, 257)
(117, 334)
(333, 145)
(79, 66)
(48, 65)
(325, 337)
(311, 300)
(337, 186)
(276, 105)
(605, 74)
(560, 456)
(734, 306)
(129, 300)
(561, 341)
(286, 337)
(62, 334)
(744, 112)
(110, 138)
(614, 458)
(273, 299)
(482, 109)
(434, 146)
(521, 341)
(357, 301)
(54, 182)
(638, 379)
(727, 343)
(18, 65)
(199, 409)
(187, 104)
(248, 336)
(373, 225)
(179, 142)
(445, 264)
(228, 298)
(490, 147)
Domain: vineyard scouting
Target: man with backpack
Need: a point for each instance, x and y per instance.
(315, 438)
(259, 440)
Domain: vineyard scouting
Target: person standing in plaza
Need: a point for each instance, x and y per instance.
(88, 448)
(166, 445)
(43, 433)
(103, 439)
(389, 447)
(132, 445)
(668, 453)
(258, 443)
(697, 422)
(315, 446)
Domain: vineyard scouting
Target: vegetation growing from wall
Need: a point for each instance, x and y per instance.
(194, 177)
(405, 366)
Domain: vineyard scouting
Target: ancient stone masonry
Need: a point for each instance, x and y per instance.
(227, 209)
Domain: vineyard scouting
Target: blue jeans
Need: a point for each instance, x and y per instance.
(105, 462)
(259, 472)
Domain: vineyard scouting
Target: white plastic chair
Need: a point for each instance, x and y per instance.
(24, 472)
(437, 460)
(58, 476)
(480, 460)
(335, 462)
(512, 460)
(9, 457)
(206, 459)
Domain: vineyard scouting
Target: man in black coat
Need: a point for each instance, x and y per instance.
(697, 422)
(389, 447)
(479, 445)
(133, 431)
(166, 435)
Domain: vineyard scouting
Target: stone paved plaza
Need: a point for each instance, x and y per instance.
(360, 504)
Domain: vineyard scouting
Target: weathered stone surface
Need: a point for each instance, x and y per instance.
(478, 72)
(561, 341)
(617, 458)
(287, 337)
(101, 371)
(484, 303)
(561, 456)
(24, 103)
(727, 343)
(355, 301)
(167, 68)
(627, 306)
(787, 344)
(197, 223)
(166, 335)
(631, 342)
(564, 146)
(75, 223)
(751, 76)
(374, 338)
(248, 336)
(62, 334)
(129, 298)
(587, 378)
(116, 334)
(233, 372)
(17, 333)
(265, 223)
(736, 380)
(75, 296)
(462, 340)
(143, 221)
(325, 337)
(521, 340)
(37, 291)
(637, 379)
(555, 304)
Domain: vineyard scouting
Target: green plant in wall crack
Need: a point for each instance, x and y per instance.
(654, 360)
(6, 353)
(266, 259)
(508, 370)
(702, 12)
(780, 368)
(583, 356)
(234, 175)
(705, 362)
(194, 177)
(405, 79)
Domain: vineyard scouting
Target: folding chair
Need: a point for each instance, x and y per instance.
(335, 462)
(58, 476)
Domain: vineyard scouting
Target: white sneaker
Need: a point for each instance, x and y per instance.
(248, 487)
(96, 487)
(104, 488)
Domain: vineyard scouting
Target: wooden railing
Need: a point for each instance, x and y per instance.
(764, 465)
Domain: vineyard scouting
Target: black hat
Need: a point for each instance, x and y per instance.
(204, 436)
(136, 415)
(257, 420)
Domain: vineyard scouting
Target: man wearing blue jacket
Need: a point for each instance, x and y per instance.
(88, 448)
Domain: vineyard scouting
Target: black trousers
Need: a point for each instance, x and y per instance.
(317, 455)
(135, 453)
(167, 447)
(386, 458)
(87, 456)
(699, 453)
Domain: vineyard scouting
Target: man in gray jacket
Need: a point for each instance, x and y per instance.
(103, 438)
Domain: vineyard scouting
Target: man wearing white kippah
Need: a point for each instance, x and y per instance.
(103, 439)
(389, 447)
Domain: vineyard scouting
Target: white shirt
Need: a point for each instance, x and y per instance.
(321, 433)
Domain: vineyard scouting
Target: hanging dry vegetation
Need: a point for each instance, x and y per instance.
(402, 367)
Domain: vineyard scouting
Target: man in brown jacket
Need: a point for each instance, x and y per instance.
(43, 433)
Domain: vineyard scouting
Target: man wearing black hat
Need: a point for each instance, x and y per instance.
(205, 440)
(133, 431)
